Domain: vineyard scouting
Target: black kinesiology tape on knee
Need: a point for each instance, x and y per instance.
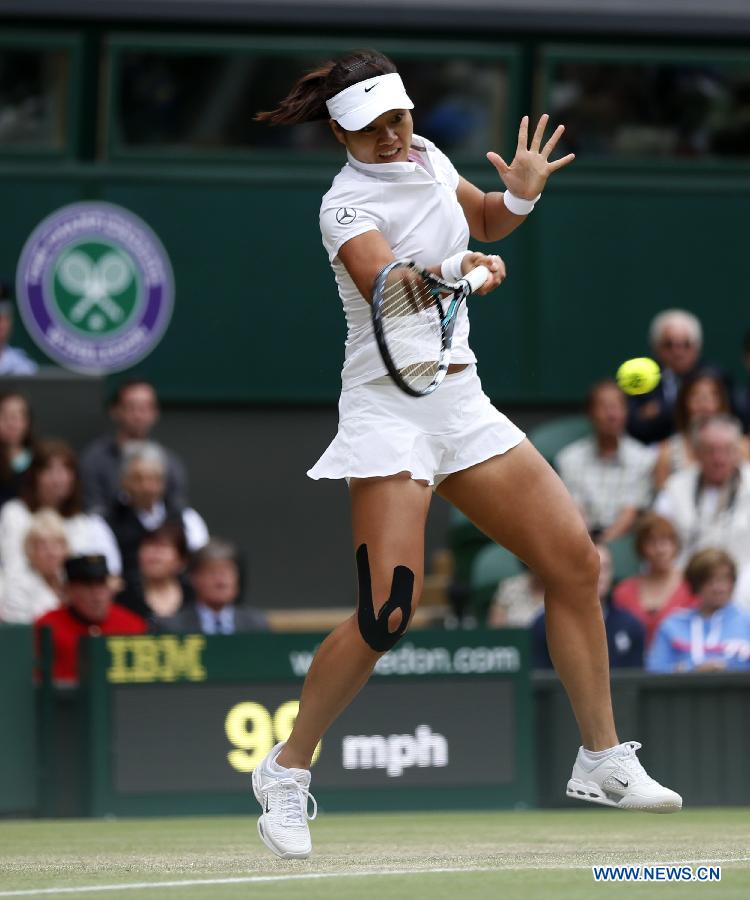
(374, 629)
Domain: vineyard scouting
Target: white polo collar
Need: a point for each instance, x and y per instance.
(393, 171)
(390, 171)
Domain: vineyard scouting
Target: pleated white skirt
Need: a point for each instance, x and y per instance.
(383, 431)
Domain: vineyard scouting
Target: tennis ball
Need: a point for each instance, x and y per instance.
(638, 376)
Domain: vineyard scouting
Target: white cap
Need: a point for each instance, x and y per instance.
(361, 103)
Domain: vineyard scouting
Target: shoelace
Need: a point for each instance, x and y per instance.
(630, 762)
(294, 801)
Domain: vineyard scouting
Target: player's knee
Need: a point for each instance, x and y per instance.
(587, 560)
(383, 629)
(576, 569)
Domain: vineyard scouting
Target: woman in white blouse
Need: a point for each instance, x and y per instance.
(52, 482)
(29, 593)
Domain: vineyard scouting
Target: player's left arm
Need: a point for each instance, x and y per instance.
(488, 217)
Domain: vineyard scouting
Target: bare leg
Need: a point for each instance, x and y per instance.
(388, 515)
(518, 500)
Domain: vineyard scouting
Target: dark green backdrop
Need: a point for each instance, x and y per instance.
(600, 255)
(610, 244)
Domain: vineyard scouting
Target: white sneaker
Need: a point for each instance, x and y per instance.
(283, 795)
(620, 780)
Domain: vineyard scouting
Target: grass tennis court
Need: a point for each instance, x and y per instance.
(481, 855)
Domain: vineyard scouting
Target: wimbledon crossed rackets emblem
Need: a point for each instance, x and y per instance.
(94, 287)
(93, 293)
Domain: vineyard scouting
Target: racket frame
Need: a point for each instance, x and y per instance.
(459, 291)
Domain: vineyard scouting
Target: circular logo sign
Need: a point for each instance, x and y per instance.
(95, 287)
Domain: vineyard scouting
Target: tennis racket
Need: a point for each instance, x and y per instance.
(413, 314)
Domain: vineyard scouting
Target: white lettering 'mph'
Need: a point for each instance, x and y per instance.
(395, 752)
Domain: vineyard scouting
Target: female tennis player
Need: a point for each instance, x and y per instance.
(399, 197)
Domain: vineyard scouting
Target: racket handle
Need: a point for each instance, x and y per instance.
(477, 277)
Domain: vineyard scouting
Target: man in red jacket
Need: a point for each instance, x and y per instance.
(89, 610)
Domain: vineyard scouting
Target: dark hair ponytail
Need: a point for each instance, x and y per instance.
(306, 101)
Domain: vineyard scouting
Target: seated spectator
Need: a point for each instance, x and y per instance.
(134, 410)
(607, 473)
(700, 397)
(13, 361)
(660, 589)
(142, 506)
(715, 634)
(741, 596)
(215, 577)
(160, 588)
(88, 610)
(676, 339)
(517, 601)
(709, 504)
(51, 482)
(28, 593)
(625, 634)
(16, 443)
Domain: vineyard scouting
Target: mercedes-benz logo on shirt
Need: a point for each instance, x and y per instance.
(346, 215)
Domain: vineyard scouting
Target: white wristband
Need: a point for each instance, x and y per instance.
(450, 268)
(517, 205)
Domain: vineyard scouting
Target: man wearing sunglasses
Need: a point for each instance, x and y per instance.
(676, 339)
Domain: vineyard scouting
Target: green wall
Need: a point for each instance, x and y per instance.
(610, 252)
(18, 744)
(257, 318)
(694, 727)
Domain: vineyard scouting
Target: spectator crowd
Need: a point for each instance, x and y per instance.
(664, 476)
(106, 542)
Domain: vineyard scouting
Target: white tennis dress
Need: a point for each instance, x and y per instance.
(382, 430)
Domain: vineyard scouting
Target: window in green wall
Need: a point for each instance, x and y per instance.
(645, 108)
(34, 85)
(202, 103)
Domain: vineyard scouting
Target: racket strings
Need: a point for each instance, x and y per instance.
(412, 323)
(400, 298)
(417, 371)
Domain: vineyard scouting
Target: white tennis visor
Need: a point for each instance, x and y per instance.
(357, 105)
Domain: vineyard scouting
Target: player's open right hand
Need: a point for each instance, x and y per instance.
(495, 265)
